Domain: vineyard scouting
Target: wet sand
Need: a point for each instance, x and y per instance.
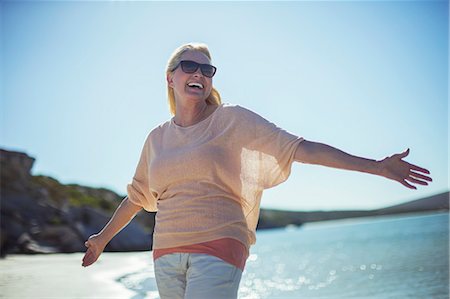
(62, 276)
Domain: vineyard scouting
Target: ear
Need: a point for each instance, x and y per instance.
(169, 79)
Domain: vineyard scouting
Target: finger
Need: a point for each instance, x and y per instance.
(404, 183)
(87, 244)
(88, 259)
(417, 168)
(87, 255)
(404, 154)
(86, 263)
(420, 176)
(413, 180)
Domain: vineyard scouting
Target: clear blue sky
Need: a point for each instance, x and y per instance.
(83, 84)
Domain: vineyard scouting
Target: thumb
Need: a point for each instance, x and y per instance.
(404, 154)
(87, 243)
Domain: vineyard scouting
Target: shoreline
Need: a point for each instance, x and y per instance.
(62, 276)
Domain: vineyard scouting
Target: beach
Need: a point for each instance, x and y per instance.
(372, 257)
(62, 276)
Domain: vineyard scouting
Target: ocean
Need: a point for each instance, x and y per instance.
(378, 257)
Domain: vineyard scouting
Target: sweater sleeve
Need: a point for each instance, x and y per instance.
(269, 151)
(139, 191)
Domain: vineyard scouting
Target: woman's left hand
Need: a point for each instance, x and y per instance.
(407, 174)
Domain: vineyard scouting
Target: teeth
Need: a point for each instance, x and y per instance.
(195, 84)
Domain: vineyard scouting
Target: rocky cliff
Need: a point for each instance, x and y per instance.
(40, 215)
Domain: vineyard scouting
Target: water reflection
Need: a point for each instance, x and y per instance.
(344, 262)
(341, 263)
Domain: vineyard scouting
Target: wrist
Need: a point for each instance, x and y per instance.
(102, 239)
(379, 167)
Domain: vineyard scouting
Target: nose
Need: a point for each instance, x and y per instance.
(198, 73)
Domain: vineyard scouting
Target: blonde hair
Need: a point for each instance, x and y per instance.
(174, 60)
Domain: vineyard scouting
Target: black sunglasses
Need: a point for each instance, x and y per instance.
(190, 67)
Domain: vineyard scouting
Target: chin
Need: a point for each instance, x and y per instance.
(197, 99)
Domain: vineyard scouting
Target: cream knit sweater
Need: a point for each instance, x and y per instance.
(205, 181)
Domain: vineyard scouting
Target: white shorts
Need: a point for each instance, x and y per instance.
(196, 276)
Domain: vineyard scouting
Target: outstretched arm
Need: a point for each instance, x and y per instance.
(124, 213)
(392, 167)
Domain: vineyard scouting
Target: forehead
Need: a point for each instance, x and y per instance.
(196, 56)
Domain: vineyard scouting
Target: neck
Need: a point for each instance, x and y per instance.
(189, 115)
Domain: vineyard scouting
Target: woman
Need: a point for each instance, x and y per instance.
(204, 172)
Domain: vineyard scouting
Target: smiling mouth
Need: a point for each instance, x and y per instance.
(195, 85)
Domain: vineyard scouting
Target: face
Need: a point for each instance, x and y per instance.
(181, 81)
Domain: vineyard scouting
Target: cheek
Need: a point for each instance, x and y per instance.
(178, 83)
(178, 78)
(210, 86)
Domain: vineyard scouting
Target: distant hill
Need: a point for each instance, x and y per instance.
(431, 203)
(277, 218)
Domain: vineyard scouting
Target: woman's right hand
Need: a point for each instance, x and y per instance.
(94, 248)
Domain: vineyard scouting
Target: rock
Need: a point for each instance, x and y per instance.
(90, 221)
(26, 244)
(63, 237)
(12, 227)
(41, 215)
(16, 167)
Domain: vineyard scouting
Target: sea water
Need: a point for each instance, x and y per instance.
(382, 257)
